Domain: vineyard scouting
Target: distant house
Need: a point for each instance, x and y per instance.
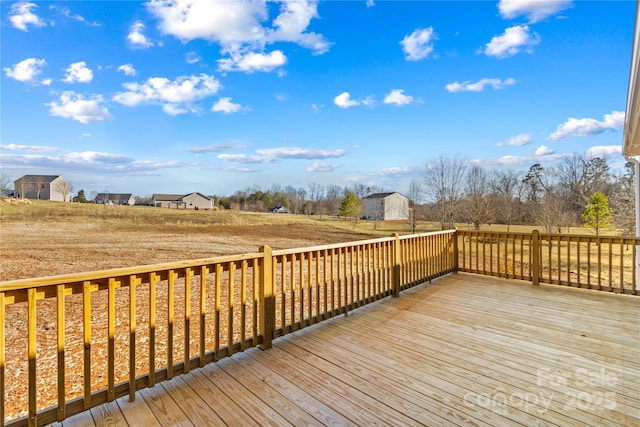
(279, 209)
(115, 199)
(385, 206)
(42, 187)
(179, 201)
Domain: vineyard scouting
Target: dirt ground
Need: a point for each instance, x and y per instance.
(42, 240)
(47, 249)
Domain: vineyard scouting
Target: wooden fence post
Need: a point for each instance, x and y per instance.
(267, 299)
(455, 251)
(395, 276)
(535, 257)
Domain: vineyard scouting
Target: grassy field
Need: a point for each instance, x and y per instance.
(50, 238)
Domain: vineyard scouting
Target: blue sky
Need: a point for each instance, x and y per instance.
(176, 96)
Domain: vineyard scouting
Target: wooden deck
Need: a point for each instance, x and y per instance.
(464, 350)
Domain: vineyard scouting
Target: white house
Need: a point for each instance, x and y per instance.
(43, 187)
(385, 206)
(177, 201)
(115, 199)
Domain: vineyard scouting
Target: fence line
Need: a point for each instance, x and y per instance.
(68, 324)
(604, 263)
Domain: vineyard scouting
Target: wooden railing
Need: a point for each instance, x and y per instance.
(69, 343)
(605, 263)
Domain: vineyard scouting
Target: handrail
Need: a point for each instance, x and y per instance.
(605, 263)
(178, 316)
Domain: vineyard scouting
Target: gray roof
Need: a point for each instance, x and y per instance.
(380, 195)
(167, 197)
(114, 197)
(38, 178)
(174, 197)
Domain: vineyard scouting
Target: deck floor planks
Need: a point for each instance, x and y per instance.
(261, 413)
(414, 361)
(216, 399)
(191, 403)
(566, 338)
(405, 391)
(323, 413)
(352, 403)
(164, 407)
(269, 395)
(109, 414)
(83, 419)
(450, 381)
(431, 358)
(137, 413)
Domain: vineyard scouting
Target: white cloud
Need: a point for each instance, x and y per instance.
(511, 42)
(300, 153)
(478, 86)
(317, 107)
(192, 58)
(136, 38)
(291, 25)
(534, 10)
(525, 160)
(17, 147)
(85, 135)
(543, 150)
(269, 155)
(66, 12)
(518, 140)
(214, 148)
(239, 26)
(225, 105)
(75, 106)
(46, 82)
(587, 126)
(344, 101)
(323, 167)
(26, 70)
(397, 97)
(175, 96)
(177, 109)
(78, 72)
(253, 61)
(21, 16)
(604, 150)
(419, 44)
(370, 3)
(127, 69)
(244, 158)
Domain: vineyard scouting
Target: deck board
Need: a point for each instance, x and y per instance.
(463, 350)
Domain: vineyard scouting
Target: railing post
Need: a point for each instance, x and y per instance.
(535, 257)
(395, 276)
(455, 251)
(267, 299)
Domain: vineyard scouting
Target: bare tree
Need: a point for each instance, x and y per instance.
(316, 193)
(507, 187)
(623, 201)
(333, 196)
(64, 188)
(444, 187)
(415, 195)
(5, 180)
(579, 177)
(552, 212)
(479, 208)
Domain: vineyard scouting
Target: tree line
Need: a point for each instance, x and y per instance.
(578, 190)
